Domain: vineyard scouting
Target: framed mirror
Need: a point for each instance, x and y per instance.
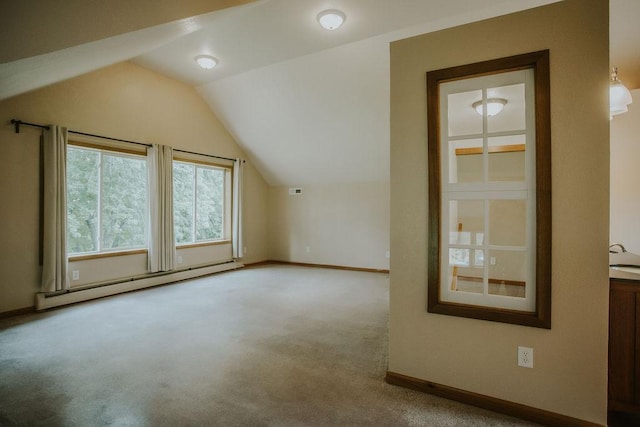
(490, 190)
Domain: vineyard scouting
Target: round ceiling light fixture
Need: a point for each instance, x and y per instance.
(206, 61)
(331, 19)
(494, 106)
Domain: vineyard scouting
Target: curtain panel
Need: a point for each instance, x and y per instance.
(162, 249)
(54, 244)
(237, 243)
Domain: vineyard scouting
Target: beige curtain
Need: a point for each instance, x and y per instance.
(54, 244)
(162, 248)
(236, 232)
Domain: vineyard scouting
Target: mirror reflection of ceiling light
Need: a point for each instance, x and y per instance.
(619, 95)
(331, 19)
(494, 106)
(207, 62)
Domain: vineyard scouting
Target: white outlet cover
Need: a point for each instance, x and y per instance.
(525, 357)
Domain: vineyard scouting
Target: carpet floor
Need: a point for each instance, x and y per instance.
(274, 345)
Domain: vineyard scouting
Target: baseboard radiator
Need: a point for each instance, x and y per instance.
(45, 301)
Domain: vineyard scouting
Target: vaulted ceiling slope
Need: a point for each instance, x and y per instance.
(35, 27)
(307, 105)
(45, 42)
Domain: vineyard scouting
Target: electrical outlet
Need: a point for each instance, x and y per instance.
(245, 250)
(525, 357)
(387, 254)
(75, 275)
(308, 249)
(492, 260)
(179, 259)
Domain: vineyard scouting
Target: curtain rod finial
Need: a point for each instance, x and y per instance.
(16, 125)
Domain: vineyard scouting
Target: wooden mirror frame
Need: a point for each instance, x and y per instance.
(541, 315)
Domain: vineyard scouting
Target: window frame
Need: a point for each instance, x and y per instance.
(540, 315)
(226, 202)
(121, 152)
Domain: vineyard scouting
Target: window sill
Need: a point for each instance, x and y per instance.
(106, 255)
(197, 245)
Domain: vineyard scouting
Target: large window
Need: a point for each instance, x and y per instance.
(199, 202)
(106, 200)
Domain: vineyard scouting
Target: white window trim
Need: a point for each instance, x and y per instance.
(117, 152)
(489, 191)
(225, 207)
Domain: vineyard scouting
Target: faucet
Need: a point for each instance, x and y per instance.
(616, 252)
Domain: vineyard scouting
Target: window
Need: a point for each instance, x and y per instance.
(107, 208)
(199, 202)
(489, 198)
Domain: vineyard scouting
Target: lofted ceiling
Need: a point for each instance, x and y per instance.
(307, 105)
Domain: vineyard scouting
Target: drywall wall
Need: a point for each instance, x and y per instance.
(625, 176)
(122, 101)
(334, 224)
(302, 129)
(570, 365)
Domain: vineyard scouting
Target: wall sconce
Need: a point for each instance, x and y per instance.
(619, 95)
(494, 106)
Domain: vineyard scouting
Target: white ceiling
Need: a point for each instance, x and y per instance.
(306, 105)
(271, 31)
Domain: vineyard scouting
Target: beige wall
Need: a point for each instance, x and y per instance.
(570, 360)
(625, 176)
(341, 224)
(122, 101)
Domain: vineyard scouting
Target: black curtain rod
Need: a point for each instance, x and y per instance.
(18, 123)
(109, 138)
(208, 155)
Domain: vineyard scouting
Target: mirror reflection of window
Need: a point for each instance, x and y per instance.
(485, 147)
(512, 117)
(463, 121)
(487, 191)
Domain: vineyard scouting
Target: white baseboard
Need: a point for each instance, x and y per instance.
(44, 301)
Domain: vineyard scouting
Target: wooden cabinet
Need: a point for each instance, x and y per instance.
(624, 345)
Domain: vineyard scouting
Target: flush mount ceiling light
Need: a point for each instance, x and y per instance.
(619, 95)
(494, 106)
(331, 19)
(207, 62)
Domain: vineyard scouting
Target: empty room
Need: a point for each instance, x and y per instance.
(349, 212)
